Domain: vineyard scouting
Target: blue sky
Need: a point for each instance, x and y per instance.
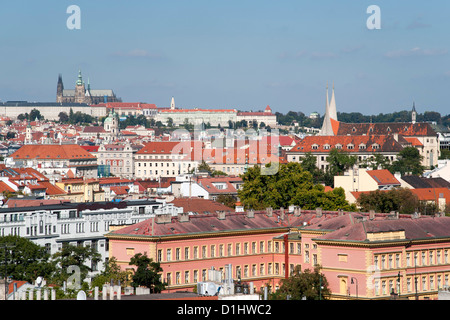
(233, 54)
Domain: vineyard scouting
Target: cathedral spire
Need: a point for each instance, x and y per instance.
(80, 78)
(332, 106)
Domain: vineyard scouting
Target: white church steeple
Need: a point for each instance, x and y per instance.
(330, 113)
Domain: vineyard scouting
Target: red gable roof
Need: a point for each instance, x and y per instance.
(52, 151)
(383, 177)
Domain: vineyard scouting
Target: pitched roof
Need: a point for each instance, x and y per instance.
(383, 177)
(200, 205)
(52, 151)
(403, 128)
(418, 182)
(426, 227)
(351, 144)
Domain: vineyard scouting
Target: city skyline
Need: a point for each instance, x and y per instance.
(240, 55)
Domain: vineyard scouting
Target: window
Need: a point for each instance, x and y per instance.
(169, 254)
(186, 277)
(177, 254)
(177, 278)
(195, 252)
(204, 252)
(186, 253)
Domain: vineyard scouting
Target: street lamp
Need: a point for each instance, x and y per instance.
(353, 282)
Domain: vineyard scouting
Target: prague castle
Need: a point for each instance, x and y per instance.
(81, 94)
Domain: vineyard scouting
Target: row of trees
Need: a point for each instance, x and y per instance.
(26, 261)
(357, 117)
(409, 161)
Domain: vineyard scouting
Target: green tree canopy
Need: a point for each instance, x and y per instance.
(70, 255)
(399, 199)
(148, 273)
(112, 272)
(25, 259)
(408, 160)
(311, 285)
(290, 185)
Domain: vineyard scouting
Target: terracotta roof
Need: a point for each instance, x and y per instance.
(426, 227)
(165, 147)
(4, 187)
(52, 151)
(383, 177)
(199, 205)
(403, 128)
(94, 129)
(202, 223)
(432, 194)
(197, 110)
(351, 144)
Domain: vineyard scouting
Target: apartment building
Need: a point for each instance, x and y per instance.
(52, 225)
(158, 159)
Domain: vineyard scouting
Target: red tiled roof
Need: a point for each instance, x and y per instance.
(165, 147)
(385, 143)
(4, 187)
(200, 205)
(52, 151)
(383, 177)
(403, 128)
(421, 228)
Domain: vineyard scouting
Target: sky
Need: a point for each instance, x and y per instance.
(243, 55)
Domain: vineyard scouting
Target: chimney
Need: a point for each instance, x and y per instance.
(163, 218)
(183, 217)
(416, 215)
(340, 212)
(269, 211)
(372, 214)
(282, 213)
(297, 211)
(250, 213)
(220, 215)
(318, 212)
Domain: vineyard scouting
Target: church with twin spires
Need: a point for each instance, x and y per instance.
(83, 94)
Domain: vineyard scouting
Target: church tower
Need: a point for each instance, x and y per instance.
(172, 104)
(330, 114)
(413, 114)
(59, 89)
(80, 90)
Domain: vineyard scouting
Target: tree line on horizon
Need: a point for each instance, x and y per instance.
(357, 117)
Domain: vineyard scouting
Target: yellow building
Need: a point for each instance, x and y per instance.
(81, 190)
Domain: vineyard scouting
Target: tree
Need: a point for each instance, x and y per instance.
(227, 199)
(408, 160)
(63, 117)
(399, 199)
(311, 285)
(27, 260)
(340, 161)
(112, 272)
(78, 256)
(35, 114)
(148, 273)
(290, 185)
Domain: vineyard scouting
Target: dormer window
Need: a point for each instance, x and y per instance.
(362, 146)
(375, 146)
(326, 146)
(315, 146)
(350, 146)
(338, 146)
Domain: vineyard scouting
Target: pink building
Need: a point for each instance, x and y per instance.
(362, 254)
